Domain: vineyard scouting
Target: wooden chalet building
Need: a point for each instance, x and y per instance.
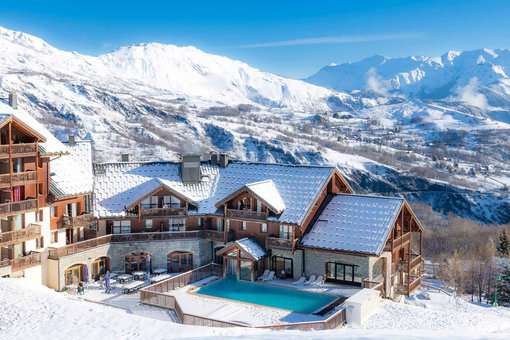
(127, 216)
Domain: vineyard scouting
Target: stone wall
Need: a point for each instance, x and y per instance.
(297, 260)
(315, 262)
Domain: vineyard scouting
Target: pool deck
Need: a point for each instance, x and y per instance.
(247, 313)
(234, 311)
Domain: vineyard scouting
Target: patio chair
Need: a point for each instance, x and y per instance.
(300, 281)
(270, 276)
(264, 275)
(310, 280)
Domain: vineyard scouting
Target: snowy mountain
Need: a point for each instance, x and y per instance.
(155, 101)
(478, 78)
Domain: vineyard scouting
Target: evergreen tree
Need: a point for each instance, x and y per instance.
(503, 244)
(503, 287)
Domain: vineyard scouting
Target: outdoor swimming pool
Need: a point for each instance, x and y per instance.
(267, 295)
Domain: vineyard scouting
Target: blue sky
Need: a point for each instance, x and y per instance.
(290, 38)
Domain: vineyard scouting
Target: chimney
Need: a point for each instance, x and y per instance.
(13, 100)
(190, 168)
(215, 158)
(71, 139)
(223, 160)
(124, 157)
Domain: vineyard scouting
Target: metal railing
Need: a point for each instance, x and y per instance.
(10, 207)
(16, 236)
(251, 214)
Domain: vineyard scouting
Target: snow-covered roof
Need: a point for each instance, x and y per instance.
(263, 190)
(72, 174)
(354, 223)
(51, 145)
(118, 184)
(252, 247)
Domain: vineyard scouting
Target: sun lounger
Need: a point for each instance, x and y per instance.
(264, 275)
(132, 286)
(270, 276)
(319, 282)
(160, 277)
(310, 280)
(300, 281)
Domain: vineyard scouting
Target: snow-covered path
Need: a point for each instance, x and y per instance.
(36, 312)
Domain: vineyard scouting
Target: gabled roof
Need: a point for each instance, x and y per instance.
(71, 174)
(354, 223)
(298, 186)
(154, 185)
(248, 245)
(265, 191)
(49, 145)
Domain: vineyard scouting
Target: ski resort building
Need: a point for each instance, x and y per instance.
(66, 220)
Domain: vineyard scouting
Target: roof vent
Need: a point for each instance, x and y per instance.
(124, 157)
(214, 158)
(190, 168)
(13, 100)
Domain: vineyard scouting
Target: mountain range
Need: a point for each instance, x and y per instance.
(383, 121)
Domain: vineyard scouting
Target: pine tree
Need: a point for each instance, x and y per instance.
(503, 244)
(503, 287)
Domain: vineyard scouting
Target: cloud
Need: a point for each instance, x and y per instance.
(375, 83)
(333, 40)
(470, 95)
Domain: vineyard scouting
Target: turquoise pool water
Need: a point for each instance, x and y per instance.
(266, 295)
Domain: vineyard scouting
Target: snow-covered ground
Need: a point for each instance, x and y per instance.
(37, 312)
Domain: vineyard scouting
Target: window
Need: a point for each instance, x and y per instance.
(244, 225)
(219, 224)
(177, 224)
(150, 202)
(175, 202)
(259, 206)
(263, 228)
(282, 266)
(148, 224)
(199, 221)
(87, 200)
(54, 236)
(39, 215)
(72, 210)
(227, 225)
(122, 227)
(40, 189)
(53, 211)
(285, 231)
(343, 273)
(39, 242)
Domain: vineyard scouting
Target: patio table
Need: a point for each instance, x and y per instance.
(138, 275)
(123, 278)
(158, 278)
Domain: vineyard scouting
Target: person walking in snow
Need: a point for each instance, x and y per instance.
(107, 282)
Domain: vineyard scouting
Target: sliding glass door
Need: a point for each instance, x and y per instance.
(343, 273)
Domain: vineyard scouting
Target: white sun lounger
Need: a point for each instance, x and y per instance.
(300, 281)
(270, 276)
(264, 275)
(311, 279)
(319, 282)
(132, 286)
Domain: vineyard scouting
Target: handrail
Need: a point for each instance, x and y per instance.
(17, 206)
(247, 214)
(11, 237)
(24, 176)
(23, 262)
(277, 242)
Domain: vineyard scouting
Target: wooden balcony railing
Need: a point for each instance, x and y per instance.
(276, 242)
(16, 236)
(19, 178)
(19, 206)
(18, 150)
(74, 248)
(83, 220)
(399, 241)
(168, 211)
(23, 262)
(256, 215)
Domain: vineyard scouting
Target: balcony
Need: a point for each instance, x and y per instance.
(19, 178)
(13, 237)
(403, 239)
(166, 211)
(19, 206)
(250, 214)
(408, 287)
(18, 150)
(281, 243)
(22, 263)
(79, 221)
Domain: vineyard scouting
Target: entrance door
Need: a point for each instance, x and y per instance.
(73, 275)
(232, 267)
(179, 261)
